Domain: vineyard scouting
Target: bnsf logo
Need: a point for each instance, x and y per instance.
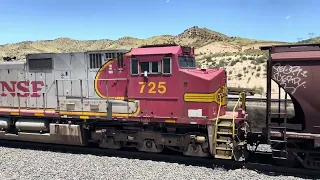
(21, 88)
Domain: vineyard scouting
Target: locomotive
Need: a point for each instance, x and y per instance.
(154, 97)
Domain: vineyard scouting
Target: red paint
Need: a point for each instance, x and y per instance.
(22, 88)
(36, 87)
(152, 102)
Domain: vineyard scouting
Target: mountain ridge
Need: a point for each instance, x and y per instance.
(194, 36)
(241, 57)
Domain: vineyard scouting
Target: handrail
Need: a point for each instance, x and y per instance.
(233, 115)
(217, 120)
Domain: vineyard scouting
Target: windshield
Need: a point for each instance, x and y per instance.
(187, 62)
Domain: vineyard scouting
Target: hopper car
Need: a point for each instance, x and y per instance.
(154, 97)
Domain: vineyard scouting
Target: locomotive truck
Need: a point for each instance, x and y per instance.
(154, 97)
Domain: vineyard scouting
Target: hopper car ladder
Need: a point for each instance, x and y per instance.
(282, 152)
(224, 133)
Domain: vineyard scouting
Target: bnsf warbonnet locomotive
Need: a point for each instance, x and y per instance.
(149, 98)
(154, 97)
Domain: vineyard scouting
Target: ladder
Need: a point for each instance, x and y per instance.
(224, 133)
(223, 137)
(281, 153)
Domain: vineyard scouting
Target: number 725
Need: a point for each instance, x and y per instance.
(161, 88)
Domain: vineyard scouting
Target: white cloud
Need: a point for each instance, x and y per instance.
(288, 17)
(167, 1)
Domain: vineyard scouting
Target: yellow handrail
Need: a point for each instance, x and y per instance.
(233, 115)
(217, 119)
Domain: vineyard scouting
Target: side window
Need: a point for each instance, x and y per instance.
(134, 67)
(150, 67)
(120, 60)
(166, 66)
(155, 67)
(144, 66)
(95, 60)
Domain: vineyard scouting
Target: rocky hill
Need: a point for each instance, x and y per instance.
(241, 57)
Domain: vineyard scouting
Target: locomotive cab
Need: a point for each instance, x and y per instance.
(167, 76)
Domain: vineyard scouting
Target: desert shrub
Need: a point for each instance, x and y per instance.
(209, 59)
(234, 62)
(239, 75)
(259, 68)
(230, 72)
(258, 90)
(258, 75)
(222, 63)
(261, 60)
(244, 58)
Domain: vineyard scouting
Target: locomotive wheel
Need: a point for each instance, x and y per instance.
(195, 150)
(150, 146)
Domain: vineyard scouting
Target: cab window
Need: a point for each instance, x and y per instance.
(166, 66)
(134, 67)
(150, 67)
(187, 62)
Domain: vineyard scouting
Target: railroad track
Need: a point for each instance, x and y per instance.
(264, 166)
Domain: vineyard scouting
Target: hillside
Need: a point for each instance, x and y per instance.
(311, 40)
(241, 57)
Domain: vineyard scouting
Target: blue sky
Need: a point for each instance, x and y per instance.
(283, 20)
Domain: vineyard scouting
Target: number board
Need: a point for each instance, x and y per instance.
(153, 87)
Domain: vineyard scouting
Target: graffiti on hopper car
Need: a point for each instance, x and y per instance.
(290, 77)
(21, 88)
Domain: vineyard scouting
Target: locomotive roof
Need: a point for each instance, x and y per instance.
(91, 51)
(155, 50)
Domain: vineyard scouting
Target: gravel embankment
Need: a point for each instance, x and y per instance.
(31, 164)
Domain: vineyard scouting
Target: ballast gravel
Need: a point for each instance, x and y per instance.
(32, 164)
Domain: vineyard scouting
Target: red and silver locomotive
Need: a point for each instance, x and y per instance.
(150, 98)
(154, 97)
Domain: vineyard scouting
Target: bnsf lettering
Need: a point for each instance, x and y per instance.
(22, 88)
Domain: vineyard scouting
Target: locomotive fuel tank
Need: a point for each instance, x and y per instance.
(5, 123)
(32, 125)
